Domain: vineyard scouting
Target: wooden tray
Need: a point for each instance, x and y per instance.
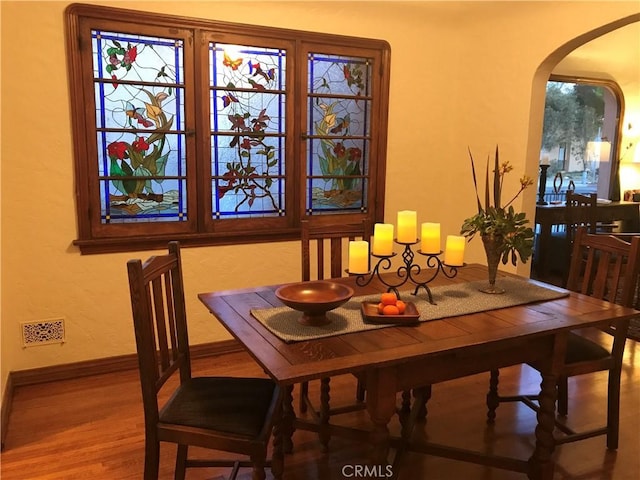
(370, 314)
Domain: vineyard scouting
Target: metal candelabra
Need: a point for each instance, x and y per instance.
(542, 185)
(408, 271)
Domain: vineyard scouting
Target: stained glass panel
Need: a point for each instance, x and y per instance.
(339, 134)
(247, 131)
(139, 94)
(339, 75)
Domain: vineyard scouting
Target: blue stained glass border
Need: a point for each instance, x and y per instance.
(100, 38)
(311, 206)
(215, 50)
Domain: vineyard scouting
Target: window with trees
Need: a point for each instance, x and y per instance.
(217, 133)
(580, 136)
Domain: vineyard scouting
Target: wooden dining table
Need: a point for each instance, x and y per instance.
(400, 358)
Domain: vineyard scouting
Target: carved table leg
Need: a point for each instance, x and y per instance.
(422, 395)
(425, 394)
(381, 405)
(324, 413)
(288, 419)
(540, 464)
(493, 401)
(277, 458)
(405, 409)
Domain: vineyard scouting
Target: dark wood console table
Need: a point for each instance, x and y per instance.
(628, 213)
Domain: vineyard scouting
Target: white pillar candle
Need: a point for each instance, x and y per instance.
(382, 239)
(454, 251)
(407, 226)
(358, 256)
(430, 238)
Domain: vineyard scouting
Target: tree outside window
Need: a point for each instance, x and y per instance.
(579, 135)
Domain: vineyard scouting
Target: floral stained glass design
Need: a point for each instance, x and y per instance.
(339, 106)
(140, 127)
(247, 98)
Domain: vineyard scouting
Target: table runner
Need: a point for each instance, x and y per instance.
(451, 301)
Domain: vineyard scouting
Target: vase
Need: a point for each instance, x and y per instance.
(493, 248)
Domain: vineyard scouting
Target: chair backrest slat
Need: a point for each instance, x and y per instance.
(171, 316)
(160, 321)
(320, 258)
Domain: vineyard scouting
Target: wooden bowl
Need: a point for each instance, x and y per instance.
(314, 299)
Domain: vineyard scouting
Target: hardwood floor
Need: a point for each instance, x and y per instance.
(93, 428)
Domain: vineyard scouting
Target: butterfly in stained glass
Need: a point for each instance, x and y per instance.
(228, 62)
(136, 113)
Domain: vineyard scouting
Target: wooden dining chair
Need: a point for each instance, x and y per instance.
(603, 267)
(221, 413)
(580, 211)
(324, 251)
(627, 237)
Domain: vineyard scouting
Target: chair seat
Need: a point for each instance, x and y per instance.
(240, 411)
(580, 349)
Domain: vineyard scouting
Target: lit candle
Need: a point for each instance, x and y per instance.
(382, 239)
(407, 226)
(454, 251)
(430, 238)
(358, 256)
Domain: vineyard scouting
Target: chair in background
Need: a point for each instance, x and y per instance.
(324, 249)
(580, 211)
(220, 413)
(603, 267)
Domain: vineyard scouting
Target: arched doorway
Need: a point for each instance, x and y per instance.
(562, 56)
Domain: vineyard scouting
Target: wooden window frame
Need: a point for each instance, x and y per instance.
(200, 230)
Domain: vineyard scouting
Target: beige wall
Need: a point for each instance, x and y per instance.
(462, 75)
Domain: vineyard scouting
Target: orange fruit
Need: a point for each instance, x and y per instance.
(380, 308)
(388, 298)
(390, 310)
(401, 306)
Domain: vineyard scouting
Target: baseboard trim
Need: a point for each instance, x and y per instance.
(5, 411)
(109, 365)
(86, 368)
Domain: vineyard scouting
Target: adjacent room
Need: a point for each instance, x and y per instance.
(320, 240)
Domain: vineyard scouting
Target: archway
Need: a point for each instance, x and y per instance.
(538, 92)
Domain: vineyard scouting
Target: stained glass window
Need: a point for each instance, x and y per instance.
(339, 133)
(140, 132)
(248, 130)
(213, 133)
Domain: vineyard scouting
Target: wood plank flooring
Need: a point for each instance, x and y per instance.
(93, 428)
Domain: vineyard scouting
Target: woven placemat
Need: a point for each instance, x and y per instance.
(451, 301)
